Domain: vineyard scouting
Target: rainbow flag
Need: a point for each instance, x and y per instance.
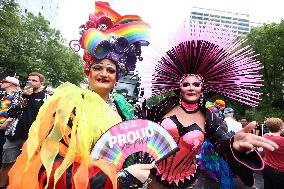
(107, 10)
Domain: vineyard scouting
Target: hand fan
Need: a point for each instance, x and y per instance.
(134, 141)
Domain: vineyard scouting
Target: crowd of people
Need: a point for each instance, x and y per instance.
(46, 140)
(19, 108)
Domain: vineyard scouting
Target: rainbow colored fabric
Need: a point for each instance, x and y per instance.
(4, 106)
(113, 15)
(107, 10)
(68, 124)
(132, 31)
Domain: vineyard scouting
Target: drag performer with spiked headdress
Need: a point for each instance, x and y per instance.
(197, 61)
(57, 151)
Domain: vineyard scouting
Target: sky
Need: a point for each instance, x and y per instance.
(163, 15)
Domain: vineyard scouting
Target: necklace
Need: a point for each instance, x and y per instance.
(188, 108)
(111, 104)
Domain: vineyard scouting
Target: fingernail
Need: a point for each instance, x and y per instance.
(153, 164)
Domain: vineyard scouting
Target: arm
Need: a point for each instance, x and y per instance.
(4, 125)
(242, 164)
(134, 176)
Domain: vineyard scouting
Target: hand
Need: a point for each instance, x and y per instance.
(140, 171)
(6, 123)
(28, 90)
(9, 119)
(245, 141)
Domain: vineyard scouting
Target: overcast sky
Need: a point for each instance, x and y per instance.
(164, 15)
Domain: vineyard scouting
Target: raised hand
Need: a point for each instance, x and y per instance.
(28, 90)
(244, 141)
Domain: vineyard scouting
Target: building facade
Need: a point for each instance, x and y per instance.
(238, 21)
(49, 9)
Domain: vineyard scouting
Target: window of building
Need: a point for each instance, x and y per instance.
(197, 17)
(214, 15)
(215, 20)
(226, 17)
(243, 20)
(242, 33)
(242, 28)
(197, 13)
(244, 24)
(225, 21)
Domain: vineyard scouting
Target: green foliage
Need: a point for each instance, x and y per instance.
(154, 100)
(27, 43)
(268, 42)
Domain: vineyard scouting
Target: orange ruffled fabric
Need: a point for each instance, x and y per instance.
(68, 124)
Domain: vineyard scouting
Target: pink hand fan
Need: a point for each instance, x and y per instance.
(134, 141)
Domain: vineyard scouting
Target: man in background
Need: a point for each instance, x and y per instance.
(244, 122)
(34, 95)
(233, 125)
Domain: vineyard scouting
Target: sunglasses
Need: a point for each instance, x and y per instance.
(4, 82)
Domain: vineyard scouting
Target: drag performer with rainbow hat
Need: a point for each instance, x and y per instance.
(195, 61)
(57, 151)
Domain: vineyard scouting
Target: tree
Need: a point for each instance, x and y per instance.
(9, 32)
(268, 42)
(28, 44)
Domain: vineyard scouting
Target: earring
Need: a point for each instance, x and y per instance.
(201, 99)
(180, 99)
(111, 97)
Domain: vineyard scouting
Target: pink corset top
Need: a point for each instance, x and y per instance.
(181, 166)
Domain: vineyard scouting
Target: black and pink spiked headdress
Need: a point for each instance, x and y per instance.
(227, 66)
